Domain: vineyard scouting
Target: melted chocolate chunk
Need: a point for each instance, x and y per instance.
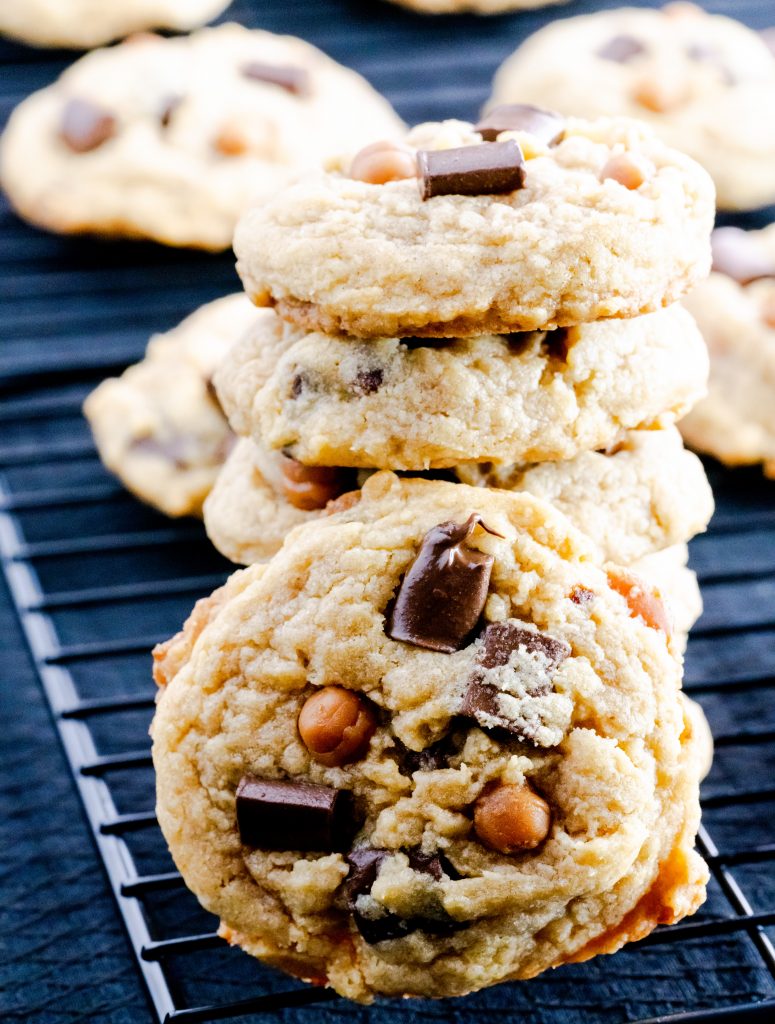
(491, 168)
(368, 381)
(499, 640)
(444, 590)
(312, 487)
(168, 108)
(292, 79)
(364, 868)
(621, 49)
(275, 815)
(547, 126)
(739, 257)
(85, 126)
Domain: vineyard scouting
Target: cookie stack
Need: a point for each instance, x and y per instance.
(483, 303)
(437, 740)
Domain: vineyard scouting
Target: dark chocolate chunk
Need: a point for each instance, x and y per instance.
(368, 381)
(85, 126)
(621, 49)
(364, 868)
(312, 487)
(492, 167)
(739, 257)
(275, 815)
(547, 126)
(499, 640)
(168, 107)
(292, 79)
(444, 590)
(431, 759)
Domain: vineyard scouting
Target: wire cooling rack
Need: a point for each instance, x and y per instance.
(98, 578)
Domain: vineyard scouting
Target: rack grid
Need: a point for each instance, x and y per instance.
(97, 579)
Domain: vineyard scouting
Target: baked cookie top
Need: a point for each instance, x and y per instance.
(532, 230)
(159, 426)
(399, 403)
(171, 139)
(643, 495)
(82, 24)
(735, 310)
(704, 82)
(429, 747)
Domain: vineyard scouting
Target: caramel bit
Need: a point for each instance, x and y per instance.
(509, 818)
(582, 595)
(336, 725)
(312, 487)
(659, 95)
(382, 162)
(343, 503)
(628, 169)
(230, 141)
(642, 600)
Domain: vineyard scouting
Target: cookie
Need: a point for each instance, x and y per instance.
(474, 6)
(171, 139)
(528, 232)
(644, 495)
(83, 24)
(395, 802)
(735, 310)
(396, 403)
(668, 573)
(159, 427)
(704, 82)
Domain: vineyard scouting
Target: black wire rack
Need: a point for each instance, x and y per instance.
(97, 579)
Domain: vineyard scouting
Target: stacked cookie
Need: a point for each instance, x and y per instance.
(437, 740)
(494, 318)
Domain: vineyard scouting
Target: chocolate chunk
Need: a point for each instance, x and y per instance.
(444, 590)
(369, 381)
(364, 868)
(481, 701)
(429, 760)
(292, 79)
(547, 126)
(312, 487)
(500, 639)
(621, 49)
(85, 126)
(275, 815)
(493, 167)
(168, 107)
(298, 384)
(582, 595)
(738, 256)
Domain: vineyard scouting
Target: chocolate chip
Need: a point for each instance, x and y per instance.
(368, 381)
(168, 107)
(444, 590)
(275, 815)
(364, 868)
(582, 595)
(292, 79)
(492, 167)
(547, 126)
(312, 487)
(481, 701)
(174, 450)
(298, 384)
(621, 49)
(85, 126)
(738, 256)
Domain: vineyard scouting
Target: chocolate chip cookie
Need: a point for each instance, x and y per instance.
(82, 24)
(523, 222)
(171, 139)
(159, 426)
(399, 403)
(735, 309)
(704, 82)
(429, 747)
